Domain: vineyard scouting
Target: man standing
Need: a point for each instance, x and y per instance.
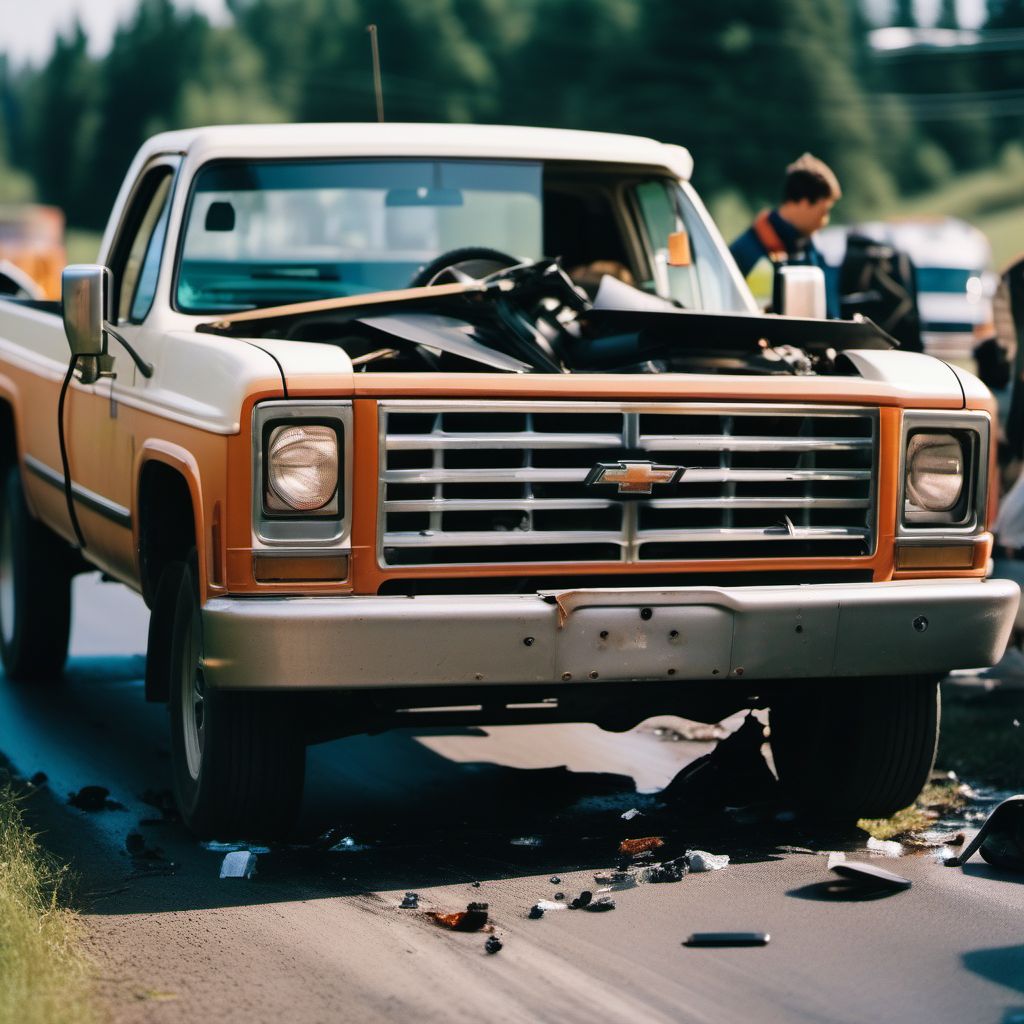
(809, 192)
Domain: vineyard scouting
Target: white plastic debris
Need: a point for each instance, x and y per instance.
(701, 860)
(551, 905)
(238, 864)
(631, 814)
(886, 847)
(836, 857)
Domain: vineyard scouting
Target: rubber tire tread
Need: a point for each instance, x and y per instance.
(41, 563)
(866, 754)
(253, 762)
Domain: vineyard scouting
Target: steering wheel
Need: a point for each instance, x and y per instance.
(470, 263)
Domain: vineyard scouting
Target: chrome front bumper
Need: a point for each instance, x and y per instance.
(706, 633)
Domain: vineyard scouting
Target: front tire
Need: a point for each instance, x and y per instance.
(35, 591)
(864, 753)
(238, 758)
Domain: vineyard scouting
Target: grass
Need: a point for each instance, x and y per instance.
(936, 798)
(44, 976)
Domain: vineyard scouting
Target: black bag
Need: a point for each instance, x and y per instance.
(878, 281)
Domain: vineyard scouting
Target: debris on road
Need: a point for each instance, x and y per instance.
(94, 798)
(631, 814)
(559, 895)
(472, 919)
(634, 847)
(615, 881)
(543, 905)
(885, 847)
(39, 779)
(695, 732)
(410, 901)
(238, 864)
(728, 939)
(555, 880)
(735, 773)
(536, 912)
(493, 945)
(667, 871)
(526, 841)
(929, 840)
(582, 900)
(835, 857)
(870, 876)
(601, 904)
(700, 860)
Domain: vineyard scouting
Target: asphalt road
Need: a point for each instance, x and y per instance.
(317, 935)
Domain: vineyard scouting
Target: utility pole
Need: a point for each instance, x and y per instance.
(378, 87)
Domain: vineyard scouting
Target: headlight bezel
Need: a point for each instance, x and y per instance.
(971, 431)
(322, 530)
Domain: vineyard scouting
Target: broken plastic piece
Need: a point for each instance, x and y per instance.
(700, 860)
(238, 864)
(886, 847)
(543, 905)
(410, 901)
(582, 900)
(633, 847)
(536, 912)
(598, 905)
(728, 939)
(870, 875)
(836, 857)
(493, 945)
(472, 919)
(631, 814)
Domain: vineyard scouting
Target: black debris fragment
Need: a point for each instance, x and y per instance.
(94, 798)
(728, 939)
(536, 913)
(600, 904)
(476, 885)
(555, 880)
(734, 773)
(559, 896)
(39, 779)
(668, 871)
(493, 945)
(582, 900)
(411, 901)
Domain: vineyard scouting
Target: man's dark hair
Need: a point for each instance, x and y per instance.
(811, 179)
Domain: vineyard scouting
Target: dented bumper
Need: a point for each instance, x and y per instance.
(691, 633)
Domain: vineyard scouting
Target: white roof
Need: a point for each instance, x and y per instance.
(368, 139)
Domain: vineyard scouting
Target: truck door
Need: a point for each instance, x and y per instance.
(104, 420)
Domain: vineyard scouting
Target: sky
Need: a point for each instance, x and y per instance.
(28, 29)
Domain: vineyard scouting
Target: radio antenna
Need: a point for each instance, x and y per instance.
(378, 88)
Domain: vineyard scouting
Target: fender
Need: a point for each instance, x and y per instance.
(180, 459)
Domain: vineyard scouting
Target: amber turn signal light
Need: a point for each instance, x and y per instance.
(299, 569)
(938, 556)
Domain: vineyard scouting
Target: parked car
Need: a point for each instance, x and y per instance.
(372, 456)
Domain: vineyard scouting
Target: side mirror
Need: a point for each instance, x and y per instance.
(85, 292)
(800, 291)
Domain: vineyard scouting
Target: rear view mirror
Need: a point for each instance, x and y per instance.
(1001, 838)
(800, 291)
(85, 292)
(423, 196)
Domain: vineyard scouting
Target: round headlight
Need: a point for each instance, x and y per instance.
(302, 466)
(935, 471)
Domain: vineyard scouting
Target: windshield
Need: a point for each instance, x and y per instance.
(266, 233)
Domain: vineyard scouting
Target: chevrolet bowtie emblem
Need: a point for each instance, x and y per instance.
(634, 477)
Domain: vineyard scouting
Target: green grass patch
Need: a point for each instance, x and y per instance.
(44, 976)
(937, 799)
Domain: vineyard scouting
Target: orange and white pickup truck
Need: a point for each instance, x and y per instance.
(397, 424)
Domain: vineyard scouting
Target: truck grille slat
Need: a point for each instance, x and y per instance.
(504, 482)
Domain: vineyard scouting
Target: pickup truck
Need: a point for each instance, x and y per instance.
(404, 425)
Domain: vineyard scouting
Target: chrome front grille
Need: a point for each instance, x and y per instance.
(505, 482)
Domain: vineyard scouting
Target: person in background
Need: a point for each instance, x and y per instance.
(809, 192)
